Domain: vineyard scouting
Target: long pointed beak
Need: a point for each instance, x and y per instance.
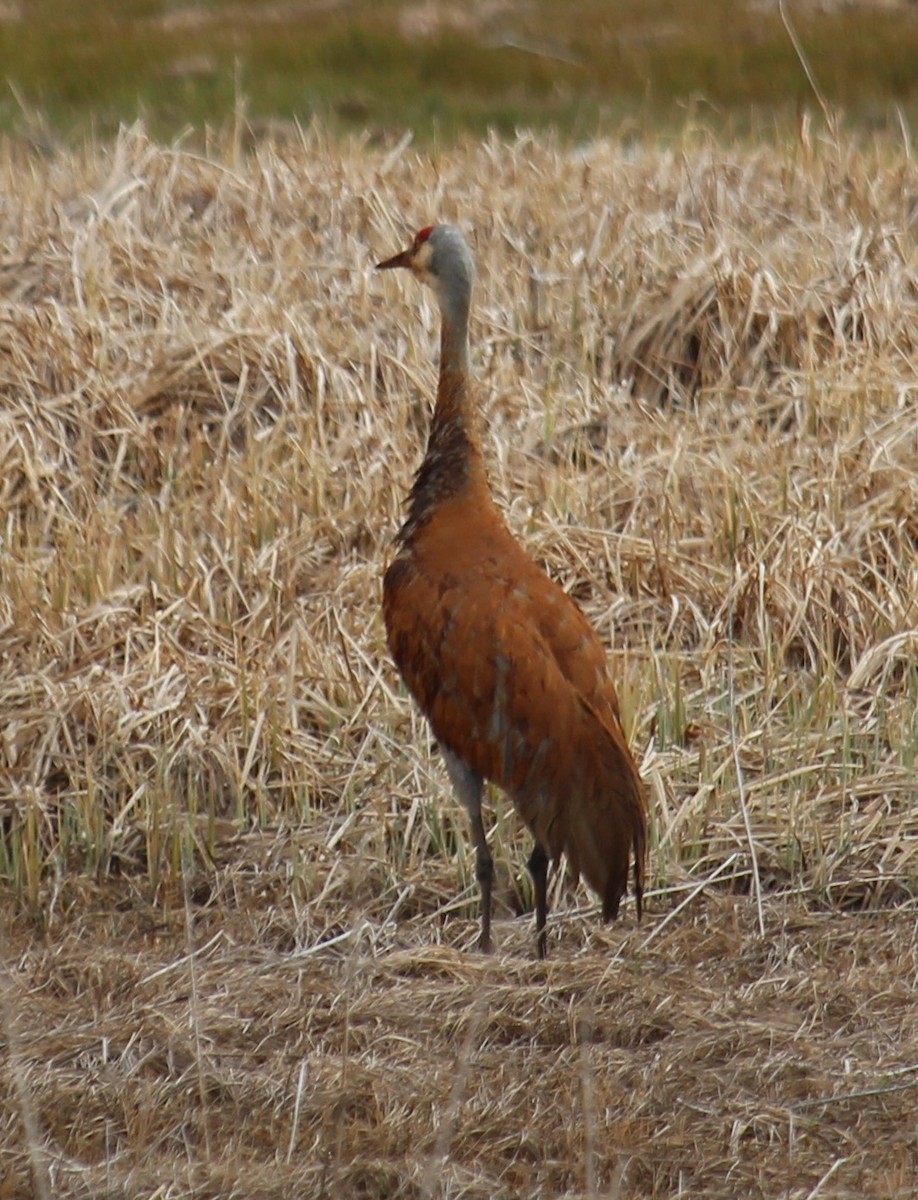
(397, 260)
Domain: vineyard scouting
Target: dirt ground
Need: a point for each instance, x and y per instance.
(218, 1056)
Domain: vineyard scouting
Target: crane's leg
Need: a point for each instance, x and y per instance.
(469, 786)
(538, 869)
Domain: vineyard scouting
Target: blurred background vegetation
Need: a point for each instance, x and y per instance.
(581, 66)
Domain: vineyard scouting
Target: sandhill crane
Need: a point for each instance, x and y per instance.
(504, 665)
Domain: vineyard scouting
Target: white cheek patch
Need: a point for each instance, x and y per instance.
(422, 257)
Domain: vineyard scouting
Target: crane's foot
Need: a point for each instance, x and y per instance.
(485, 944)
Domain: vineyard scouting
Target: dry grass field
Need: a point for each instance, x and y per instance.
(238, 899)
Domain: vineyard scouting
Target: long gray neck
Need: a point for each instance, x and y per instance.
(455, 418)
(454, 329)
(453, 459)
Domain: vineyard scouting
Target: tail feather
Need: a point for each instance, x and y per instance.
(598, 816)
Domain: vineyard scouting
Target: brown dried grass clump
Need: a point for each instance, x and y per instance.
(239, 900)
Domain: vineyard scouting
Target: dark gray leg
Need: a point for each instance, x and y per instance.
(484, 872)
(538, 869)
(469, 786)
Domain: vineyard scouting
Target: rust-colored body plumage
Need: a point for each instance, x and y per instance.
(504, 665)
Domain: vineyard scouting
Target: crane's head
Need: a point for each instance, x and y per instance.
(440, 257)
